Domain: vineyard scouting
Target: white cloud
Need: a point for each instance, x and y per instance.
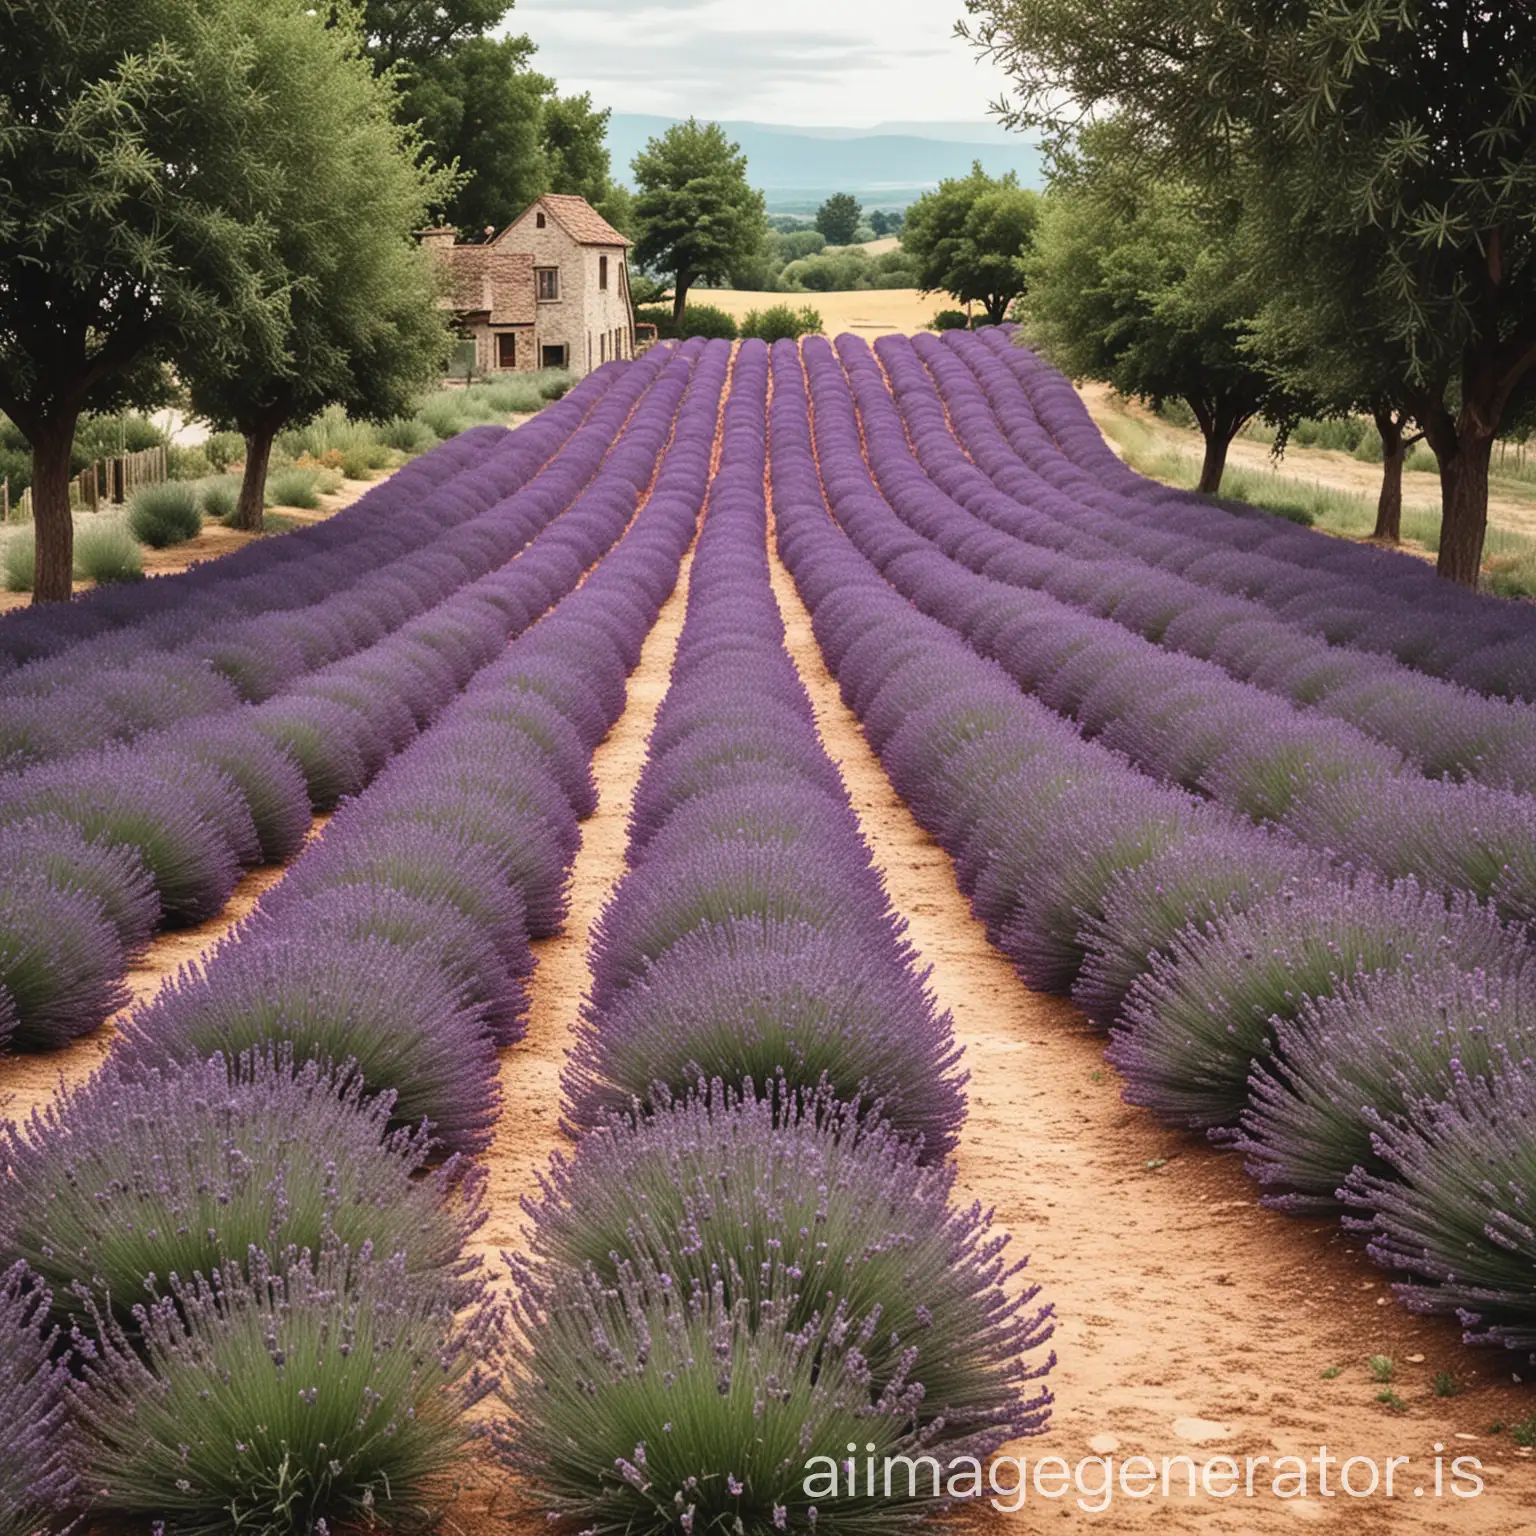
(849, 63)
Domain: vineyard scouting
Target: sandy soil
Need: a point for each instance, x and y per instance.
(1341, 471)
(1190, 1321)
(867, 312)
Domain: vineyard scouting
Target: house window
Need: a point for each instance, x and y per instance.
(538, 221)
(506, 349)
(602, 348)
(602, 273)
(549, 284)
(554, 357)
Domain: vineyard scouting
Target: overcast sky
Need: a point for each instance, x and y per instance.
(839, 63)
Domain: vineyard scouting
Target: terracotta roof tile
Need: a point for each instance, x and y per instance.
(486, 280)
(581, 221)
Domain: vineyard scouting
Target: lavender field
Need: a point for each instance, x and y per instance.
(790, 909)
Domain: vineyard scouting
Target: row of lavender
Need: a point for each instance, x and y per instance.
(243, 1294)
(750, 1267)
(1183, 720)
(1366, 1042)
(1055, 545)
(99, 851)
(1334, 588)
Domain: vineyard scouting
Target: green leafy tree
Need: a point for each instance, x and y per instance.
(363, 330)
(696, 215)
(1133, 281)
(1405, 129)
(970, 239)
(886, 221)
(135, 215)
(480, 107)
(574, 138)
(838, 218)
(408, 33)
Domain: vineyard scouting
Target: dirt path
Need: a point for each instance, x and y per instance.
(1191, 1322)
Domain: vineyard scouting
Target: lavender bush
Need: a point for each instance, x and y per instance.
(1369, 1056)
(36, 1483)
(295, 1394)
(1194, 1027)
(126, 1180)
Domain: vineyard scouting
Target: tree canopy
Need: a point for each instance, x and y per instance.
(838, 218)
(696, 215)
(1138, 282)
(1402, 131)
(363, 330)
(970, 237)
(135, 216)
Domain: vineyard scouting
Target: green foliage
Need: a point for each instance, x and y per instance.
(224, 449)
(951, 320)
(971, 237)
(846, 271)
(780, 322)
(118, 257)
(218, 496)
(182, 463)
(18, 560)
(696, 216)
(161, 515)
(887, 221)
(1136, 282)
(106, 437)
(574, 139)
(105, 550)
(838, 218)
(697, 320)
(293, 488)
(363, 330)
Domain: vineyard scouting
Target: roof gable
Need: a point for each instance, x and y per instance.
(576, 216)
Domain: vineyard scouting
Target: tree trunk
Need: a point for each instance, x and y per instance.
(680, 295)
(997, 309)
(250, 510)
(1464, 505)
(54, 574)
(1389, 505)
(1211, 470)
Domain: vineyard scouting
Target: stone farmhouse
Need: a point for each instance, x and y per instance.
(550, 291)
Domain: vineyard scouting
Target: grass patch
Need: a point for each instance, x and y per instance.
(294, 487)
(162, 515)
(18, 561)
(105, 550)
(1509, 557)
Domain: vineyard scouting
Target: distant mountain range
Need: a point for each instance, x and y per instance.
(887, 166)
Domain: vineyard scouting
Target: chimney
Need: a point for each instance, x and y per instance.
(438, 239)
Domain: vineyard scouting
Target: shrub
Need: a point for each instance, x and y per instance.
(331, 744)
(18, 554)
(408, 435)
(224, 449)
(416, 861)
(437, 931)
(768, 1000)
(187, 1168)
(61, 963)
(268, 778)
(402, 1022)
(1195, 1026)
(106, 551)
(123, 802)
(445, 415)
(113, 876)
(780, 322)
(360, 463)
(1374, 1052)
(950, 320)
(670, 1369)
(703, 320)
(183, 463)
(220, 497)
(308, 1391)
(162, 515)
(35, 1477)
(1455, 1213)
(293, 488)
